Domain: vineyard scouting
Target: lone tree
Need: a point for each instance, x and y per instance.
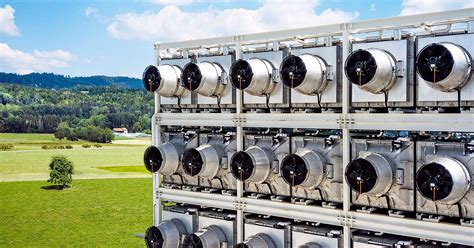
(61, 171)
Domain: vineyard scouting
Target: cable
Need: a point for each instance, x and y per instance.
(320, 194)
(319, 99)
(179, 103)
(267, 101)
(459, 99)
(385, 94)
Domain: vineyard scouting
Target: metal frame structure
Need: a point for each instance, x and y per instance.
(346, 121)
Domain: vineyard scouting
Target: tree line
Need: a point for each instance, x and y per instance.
(80, 112)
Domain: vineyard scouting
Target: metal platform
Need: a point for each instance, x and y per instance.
(346, 121)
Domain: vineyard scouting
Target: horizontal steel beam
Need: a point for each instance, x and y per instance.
(410, 21)
(414, 228)
(293, 211)
(197, 198)
(196, 119)
(323, 121)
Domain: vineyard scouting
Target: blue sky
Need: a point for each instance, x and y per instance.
(116, 37)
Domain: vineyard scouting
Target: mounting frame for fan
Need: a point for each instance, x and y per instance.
(279, 230)
(432, 150)
(400, 193)
(401, 95)
(227, 100)
(332, 95)
(427, 97)
(187, 101)
(279, 98)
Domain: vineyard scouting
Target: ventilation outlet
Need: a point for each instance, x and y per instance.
(305, 168)
(164, 80)
(371, 174)
(203, 161)
(211, 236)
(306, 73)
(166, 234)
(252, 165)
(372, 70)
(260, 240)
(444, 66)
(444, 180)
(254, 76)
(205, 78)
(163, 159)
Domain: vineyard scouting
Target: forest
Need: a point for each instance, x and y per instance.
(77, 112)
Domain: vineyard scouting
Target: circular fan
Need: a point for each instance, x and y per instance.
(241, 74)
(192, 241)
(153, 159)
(191, 76)
(361, 175)
(434, 181)
(154, 237)
(294, 170)
(242, 165)
(292, 71)
(151, 78)
(192, 162)
(360, 67)
(434, 63)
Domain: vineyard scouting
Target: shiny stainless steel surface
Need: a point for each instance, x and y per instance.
(210, 84)
(172, 231)
(171, 153)
(261, 159)
(460, 73)
(383, 167)
(170, 85)
(211, 236)
(259, 240)
(315, 80)
(262, 83)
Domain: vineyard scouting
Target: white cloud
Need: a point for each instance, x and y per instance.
(172, 2)
(372, 7)
(172, 24)
(90, 10)
(21, 62)
(7, 21)
(411, 7)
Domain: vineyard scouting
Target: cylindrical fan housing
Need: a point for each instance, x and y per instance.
(204, 78)
(444, 66)
(371, 174)
(203, 161)
(164, 80)
(164, 159)
(252, 165)
(373, 70)
(305, 168)
(254, 76)
(208, 237)
(166, 234)
(444, 180)
(260, 240)
(306, 73)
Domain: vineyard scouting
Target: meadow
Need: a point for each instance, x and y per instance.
(94, 212)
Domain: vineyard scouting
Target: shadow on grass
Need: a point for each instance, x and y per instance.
(55, 187)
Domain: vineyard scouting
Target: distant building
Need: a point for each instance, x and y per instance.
(118, 130)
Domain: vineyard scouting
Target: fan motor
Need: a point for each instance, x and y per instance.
(164, 80)
(254, 76)
(305, 168)
(373, 70)
(305, 73)
(205, 78)
(252, 165)
(163, 159)
(260, 240)
(443, 179)
(210, 236)
(203, 161)
(444, 66)
(166, 234)
(370, 174)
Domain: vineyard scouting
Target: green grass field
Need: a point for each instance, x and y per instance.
(93, 213)
(28, 161)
